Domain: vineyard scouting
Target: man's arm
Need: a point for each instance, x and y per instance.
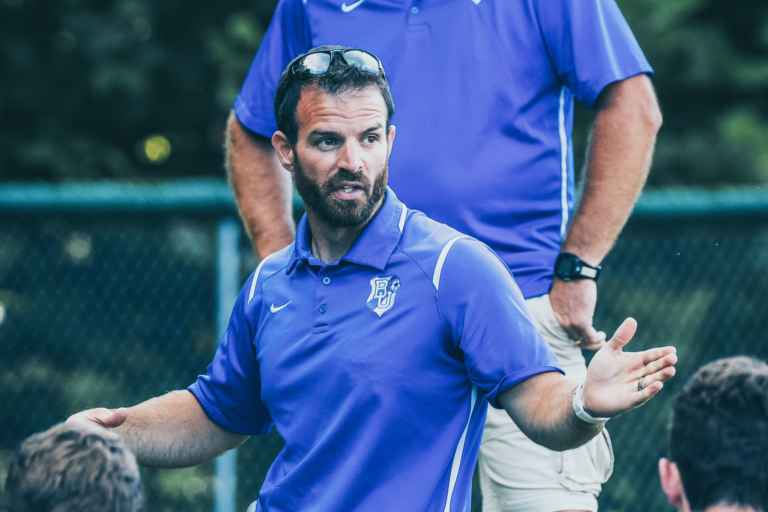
(167, 431)
(618, 160)
(262, 189)
(617, 381)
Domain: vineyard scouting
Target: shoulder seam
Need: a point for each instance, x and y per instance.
(441, 259)
(254, 282)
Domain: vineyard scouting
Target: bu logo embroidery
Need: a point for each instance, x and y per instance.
(383, 291)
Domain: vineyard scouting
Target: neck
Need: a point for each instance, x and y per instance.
(330, 243)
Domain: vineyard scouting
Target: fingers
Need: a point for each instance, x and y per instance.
(649, 385)
(586, 336)
(110, 418)
(594, 342)
(653, 355)
(623, 334)
(648, 392)
(99, 417)
(665, 372)
(653, 360)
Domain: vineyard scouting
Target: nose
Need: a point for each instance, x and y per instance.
(351, 156)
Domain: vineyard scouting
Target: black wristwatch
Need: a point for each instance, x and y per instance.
(569, 267)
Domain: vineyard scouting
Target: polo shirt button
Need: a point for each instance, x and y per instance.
(326, 280)
(323, 308)
(414, 10)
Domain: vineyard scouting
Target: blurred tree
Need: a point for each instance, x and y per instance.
(711, 61)
(141, 89)
(120, 88)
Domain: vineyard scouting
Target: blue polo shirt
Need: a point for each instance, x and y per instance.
(484, 92)
(376, 369)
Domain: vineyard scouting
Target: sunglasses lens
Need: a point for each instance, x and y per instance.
(362, 60)
(316, 63)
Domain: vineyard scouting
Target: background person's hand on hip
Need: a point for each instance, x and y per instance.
(573, 303)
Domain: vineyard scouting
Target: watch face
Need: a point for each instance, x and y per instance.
(567, 266)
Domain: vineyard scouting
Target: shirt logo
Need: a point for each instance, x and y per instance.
(275, 309)
(345, 7)
(383, 291)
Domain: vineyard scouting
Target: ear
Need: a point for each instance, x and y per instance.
(390, 138)
(284, 150)
(671, 483)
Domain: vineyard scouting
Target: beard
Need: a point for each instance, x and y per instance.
(318, 197)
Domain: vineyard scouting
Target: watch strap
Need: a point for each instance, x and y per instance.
(577, 403)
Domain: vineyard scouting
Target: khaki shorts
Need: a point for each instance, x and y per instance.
(518, 475)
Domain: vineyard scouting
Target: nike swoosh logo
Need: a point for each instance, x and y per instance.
(345, 7)
(275, 309)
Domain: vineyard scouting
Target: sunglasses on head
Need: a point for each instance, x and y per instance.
(318, 63)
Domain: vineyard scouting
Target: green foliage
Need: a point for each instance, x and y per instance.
(87, 84)
(711, 62)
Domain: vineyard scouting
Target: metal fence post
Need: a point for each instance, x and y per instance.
(227, 281)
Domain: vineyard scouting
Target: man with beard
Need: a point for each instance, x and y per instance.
(374, 342)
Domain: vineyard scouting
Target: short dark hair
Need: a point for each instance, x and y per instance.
(70, 468)
(338, 79)
(719, 434)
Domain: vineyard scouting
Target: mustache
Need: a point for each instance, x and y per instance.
(346, 177)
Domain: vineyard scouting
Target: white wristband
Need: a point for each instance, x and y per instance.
(577, 403)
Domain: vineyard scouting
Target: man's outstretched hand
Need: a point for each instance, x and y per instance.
(618, 381)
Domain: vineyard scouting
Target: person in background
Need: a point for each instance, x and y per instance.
(718, 440)
(73, 468)
(486, 92)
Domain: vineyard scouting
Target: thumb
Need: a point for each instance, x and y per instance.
(108, 418)
(623, 334)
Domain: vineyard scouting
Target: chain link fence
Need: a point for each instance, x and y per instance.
(108, 295)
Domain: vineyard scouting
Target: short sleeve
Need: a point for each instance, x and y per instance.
(288, 35)
(230, 390)
(489, 321)
(590, 44)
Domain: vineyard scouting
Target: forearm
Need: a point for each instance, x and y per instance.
(542, 408)
(617, 165)
(262, 189)
(173, 431)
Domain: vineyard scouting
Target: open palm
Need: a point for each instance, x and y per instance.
(618, 381)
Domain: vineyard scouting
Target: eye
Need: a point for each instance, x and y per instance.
(372, 138)
(327, 142)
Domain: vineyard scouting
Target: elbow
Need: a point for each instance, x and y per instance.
(645, 115)
(230, 142)
(556, 443)
(632, 101)
(650, 116)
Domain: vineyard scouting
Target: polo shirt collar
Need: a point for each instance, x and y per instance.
(373, 246)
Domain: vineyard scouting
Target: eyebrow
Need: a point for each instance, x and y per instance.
(331, 133)
(376, 127)
(323, 133)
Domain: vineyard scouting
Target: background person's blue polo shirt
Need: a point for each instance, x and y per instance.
(508, 69)
(376, 369)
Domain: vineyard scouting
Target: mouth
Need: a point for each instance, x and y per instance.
(348, 191)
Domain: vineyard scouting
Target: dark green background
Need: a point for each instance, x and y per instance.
(95, 311)
(85, 82)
